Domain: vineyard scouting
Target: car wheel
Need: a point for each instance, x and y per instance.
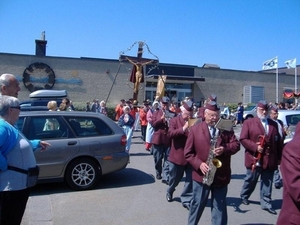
(82, 174)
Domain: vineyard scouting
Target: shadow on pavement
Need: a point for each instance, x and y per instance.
(124, 178)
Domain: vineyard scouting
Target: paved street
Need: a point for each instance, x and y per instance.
(133, 196)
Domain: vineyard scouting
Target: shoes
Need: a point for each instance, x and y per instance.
(278, 185)
(186, 205)
(158, 176)
(245, 201)
(165, 182)
(271, 211)
(169, 197)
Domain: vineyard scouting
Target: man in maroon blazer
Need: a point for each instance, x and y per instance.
(281, 129)
(290, 167)
(178, 132)
(160, 140)
(263, 147)
(212, 97)
(197, 149)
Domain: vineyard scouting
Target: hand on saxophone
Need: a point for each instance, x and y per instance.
(219, 151)
(186, 126)
(204, 168)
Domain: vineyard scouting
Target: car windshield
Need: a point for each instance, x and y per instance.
(292, 119)
(249, 108)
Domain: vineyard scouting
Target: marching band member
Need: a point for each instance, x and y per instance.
(263, 147)
(160, 139)
(178, 132)
(197, 150)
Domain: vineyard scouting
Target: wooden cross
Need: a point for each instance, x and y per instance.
(137, 73)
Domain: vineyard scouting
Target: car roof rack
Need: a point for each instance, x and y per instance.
(49, 94)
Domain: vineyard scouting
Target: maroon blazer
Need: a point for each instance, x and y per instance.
(197, 149)
(160, 135)
(251, 129)
(290, 167)
(178, 139)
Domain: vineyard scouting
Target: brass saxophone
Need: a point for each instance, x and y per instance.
(212, 162)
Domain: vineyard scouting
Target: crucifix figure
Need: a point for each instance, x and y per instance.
(137, 73)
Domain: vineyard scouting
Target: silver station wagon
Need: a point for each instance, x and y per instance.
(84, 146)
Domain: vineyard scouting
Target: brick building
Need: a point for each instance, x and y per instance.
(108, 79)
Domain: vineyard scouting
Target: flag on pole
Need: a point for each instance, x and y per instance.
(291, 63)
(270, 64)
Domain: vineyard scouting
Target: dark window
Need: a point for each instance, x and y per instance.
(46, 127)
(88, 126)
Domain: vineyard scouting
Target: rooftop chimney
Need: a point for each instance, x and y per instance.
(40, 46)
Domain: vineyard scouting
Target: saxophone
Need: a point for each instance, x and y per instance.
(212, 162)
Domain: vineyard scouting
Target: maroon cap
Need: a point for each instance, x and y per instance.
(188, 105)
(213, 106)
(213, 97)
(274, 108)
(262, 104)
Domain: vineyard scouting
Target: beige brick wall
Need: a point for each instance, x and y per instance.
(97, 77)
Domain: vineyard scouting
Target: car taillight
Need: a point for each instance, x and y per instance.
(124, 140)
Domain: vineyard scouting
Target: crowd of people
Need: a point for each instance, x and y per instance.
(183, 139)
(179, 148)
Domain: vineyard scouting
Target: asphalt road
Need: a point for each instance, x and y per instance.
(134, 197)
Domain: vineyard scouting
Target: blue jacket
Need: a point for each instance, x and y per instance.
(8, 140)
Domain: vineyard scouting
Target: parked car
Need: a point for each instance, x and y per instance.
(249, 112)
(38, 100)
(290, 118)
(84, 146)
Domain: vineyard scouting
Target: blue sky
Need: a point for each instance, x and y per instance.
(235, 34)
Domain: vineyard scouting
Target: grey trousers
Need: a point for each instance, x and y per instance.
(175, 175)
(218, 204)
(266, 182)
(160, 155)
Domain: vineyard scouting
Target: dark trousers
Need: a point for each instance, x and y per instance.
(143, 130)
(218, 204)
(266, 182)
(12, 206)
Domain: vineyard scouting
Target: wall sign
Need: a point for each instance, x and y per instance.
(38, 76)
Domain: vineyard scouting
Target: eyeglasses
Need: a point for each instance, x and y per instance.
(16, 107)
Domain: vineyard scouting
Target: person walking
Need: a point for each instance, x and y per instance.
(239, 114)
(178, 132)
(160, 139)
(150, 130)
(16, 160)
(274, 116)
(143, 119)
(126, 121)
(263, 147)
(204, 143)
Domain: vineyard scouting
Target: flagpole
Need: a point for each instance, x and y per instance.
(277, 80)
(296, 84)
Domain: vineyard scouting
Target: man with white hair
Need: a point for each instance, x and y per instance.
(9, 85)
(263, 147)
(204, 143)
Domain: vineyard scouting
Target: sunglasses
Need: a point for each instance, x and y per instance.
(16, 107)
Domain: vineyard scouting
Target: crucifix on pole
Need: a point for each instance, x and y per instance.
(137, 73)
